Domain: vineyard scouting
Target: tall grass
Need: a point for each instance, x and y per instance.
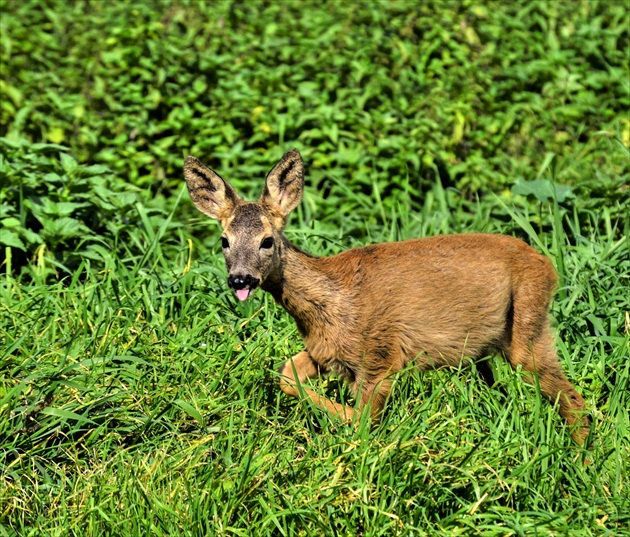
(142, 399)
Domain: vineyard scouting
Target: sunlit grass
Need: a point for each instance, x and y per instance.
(143, 400)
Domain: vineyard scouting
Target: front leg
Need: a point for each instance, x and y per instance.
(301, 367)
(372, 396)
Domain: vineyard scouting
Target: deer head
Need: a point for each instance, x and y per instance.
(252, 231)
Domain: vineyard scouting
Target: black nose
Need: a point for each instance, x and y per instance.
(238, 281)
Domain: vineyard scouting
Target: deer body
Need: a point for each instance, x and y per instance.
(366, 313)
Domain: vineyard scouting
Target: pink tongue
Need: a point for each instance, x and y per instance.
(242, 294)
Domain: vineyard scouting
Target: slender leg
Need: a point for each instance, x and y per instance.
(374, 396)
(375, 383)
(539, 357)
(301, 367)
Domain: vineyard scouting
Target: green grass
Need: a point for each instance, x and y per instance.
(139, 397)
(143, 399)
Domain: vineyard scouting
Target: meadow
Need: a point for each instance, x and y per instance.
(139, 397)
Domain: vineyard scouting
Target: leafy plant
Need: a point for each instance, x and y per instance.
(52, 207)
(472, 93)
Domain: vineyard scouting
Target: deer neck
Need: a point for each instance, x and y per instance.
(300, 286)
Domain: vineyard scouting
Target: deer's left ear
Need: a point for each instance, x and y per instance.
(284, 185)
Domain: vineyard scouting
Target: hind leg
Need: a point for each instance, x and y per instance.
(538, 356)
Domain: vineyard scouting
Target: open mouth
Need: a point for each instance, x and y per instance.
(243, 285)
(243, 294)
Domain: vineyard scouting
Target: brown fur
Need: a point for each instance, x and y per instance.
(366, 313)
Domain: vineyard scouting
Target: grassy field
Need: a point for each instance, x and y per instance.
(139, 397)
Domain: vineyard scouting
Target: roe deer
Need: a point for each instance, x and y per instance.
(368, 312)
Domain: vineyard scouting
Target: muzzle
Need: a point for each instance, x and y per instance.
(243, 285)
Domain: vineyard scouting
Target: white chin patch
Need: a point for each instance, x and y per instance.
(242, 294)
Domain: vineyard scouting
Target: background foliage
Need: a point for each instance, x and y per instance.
(137, 397)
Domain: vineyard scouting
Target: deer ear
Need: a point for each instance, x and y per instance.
(285, 184)
(212, 195)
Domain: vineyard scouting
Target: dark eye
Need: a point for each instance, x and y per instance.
(267, 243)
(225, 243)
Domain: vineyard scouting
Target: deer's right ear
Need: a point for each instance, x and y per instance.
(212, 195)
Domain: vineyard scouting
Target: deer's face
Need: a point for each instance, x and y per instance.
(252, 232)
(250, 246)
